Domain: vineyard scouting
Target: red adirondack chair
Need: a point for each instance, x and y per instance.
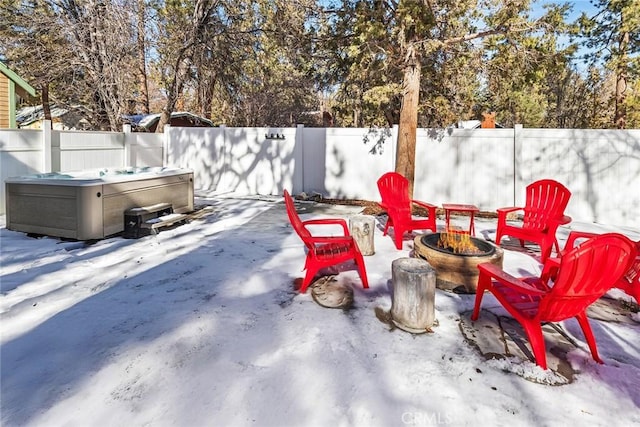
(324, 251)
(394, 191)
(629, 283)
(544, 208)
(584, 274)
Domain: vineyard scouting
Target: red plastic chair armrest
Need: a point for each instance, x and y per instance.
(325, 221)
(508, 280)
(331, 239)
(550, 269)
(575, 235)
(551, 265)
(556, 222)
(502, 213)
(509, 209)
(424, 204)
(566, 219)
(329, 221)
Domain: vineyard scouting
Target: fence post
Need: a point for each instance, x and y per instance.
(517, 134)
(225, 153)
(225, 160)
(394, 146)
(166, 131)
(126, 129)
(299, 145)
(127, 153)
(46, 146)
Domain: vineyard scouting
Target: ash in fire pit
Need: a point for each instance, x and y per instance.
(455, 256)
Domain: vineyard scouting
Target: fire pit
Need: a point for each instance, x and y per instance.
(455, 256)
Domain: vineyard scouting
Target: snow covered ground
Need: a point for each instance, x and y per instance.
(200, 326)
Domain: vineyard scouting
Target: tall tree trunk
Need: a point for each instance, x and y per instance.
(175, 89)
(142, 59)
(44, 97)
(183, 59)
(621, 83)
(205, 96)
(169, 108)
(406, 154)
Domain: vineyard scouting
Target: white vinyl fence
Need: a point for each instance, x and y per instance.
(28, 151)
(487, 167)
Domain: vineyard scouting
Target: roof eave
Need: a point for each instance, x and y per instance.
(17, 79)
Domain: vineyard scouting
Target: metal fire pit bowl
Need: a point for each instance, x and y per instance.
(456, 272)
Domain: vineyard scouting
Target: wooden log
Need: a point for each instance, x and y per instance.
(362, 229)
(414, 289)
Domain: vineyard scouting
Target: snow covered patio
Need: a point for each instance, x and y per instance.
(200, 326)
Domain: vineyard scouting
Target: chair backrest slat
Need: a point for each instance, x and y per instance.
(295, 220)
(394, 191)
(586, 272)
(633, 275)
(545, 199)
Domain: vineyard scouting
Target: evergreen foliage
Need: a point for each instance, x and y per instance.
(283, 62)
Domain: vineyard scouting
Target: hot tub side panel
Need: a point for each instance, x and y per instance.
(120, 196)
(73, 212)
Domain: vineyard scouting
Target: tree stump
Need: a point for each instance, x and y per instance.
(362, 229)
(414, 290)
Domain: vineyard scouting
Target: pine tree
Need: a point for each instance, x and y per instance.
(613, 35)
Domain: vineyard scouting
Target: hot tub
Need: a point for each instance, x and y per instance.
(87, 205)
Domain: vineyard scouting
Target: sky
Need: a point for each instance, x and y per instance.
(578, 7)
(200, 325)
